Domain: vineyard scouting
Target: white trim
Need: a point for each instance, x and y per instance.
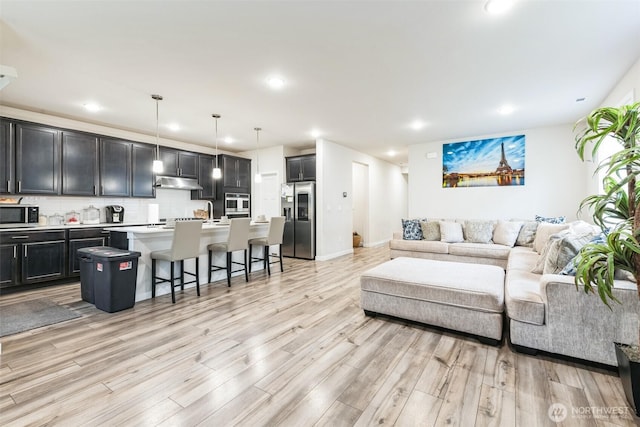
(334, 255)
(376, 244)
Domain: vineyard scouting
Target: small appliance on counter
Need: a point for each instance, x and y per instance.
(16, 215)
(115, 213)
(56, 219)
(72, 217)
(91, 215)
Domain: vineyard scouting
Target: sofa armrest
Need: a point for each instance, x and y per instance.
(397, 235)
(582, 321)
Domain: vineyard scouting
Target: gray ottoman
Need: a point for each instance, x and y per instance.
(453, 295)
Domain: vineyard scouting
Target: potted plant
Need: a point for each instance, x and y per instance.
(616, 210)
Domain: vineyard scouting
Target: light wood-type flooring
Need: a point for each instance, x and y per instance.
(294, 349)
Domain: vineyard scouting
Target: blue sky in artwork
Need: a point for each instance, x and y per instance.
(483, 155)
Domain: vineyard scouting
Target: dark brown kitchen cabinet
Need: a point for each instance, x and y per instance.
(6, 161)
(301, 168)
(142, 177)
(33, 256)
(8, 265)
(115, 167)
(83, 238)
(236, 174)
(37, 159)
(79, 164)
(205, 179)
(179, 163)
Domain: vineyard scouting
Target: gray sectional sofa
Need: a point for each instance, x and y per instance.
(543, 311)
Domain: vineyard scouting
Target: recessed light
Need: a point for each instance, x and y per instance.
(276, 82)
(228, 140)
(391, 153)
(417, 124)
(92, 107)
(496, 7)
(506, 109)
(315, 133)
(175, 127)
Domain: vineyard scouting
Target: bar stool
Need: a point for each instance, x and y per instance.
(238, 240)
(185, 245)
(273, 237)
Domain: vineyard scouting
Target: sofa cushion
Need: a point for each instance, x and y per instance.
(522, 297)
(544, 231)
(486, 250)
(478, 231)
(527, 234)
(430, 230)
(420, 246)
(411, 229)
(451, 232)
(506, 232)
(474, 286)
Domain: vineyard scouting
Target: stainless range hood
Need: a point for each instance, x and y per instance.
(177, 183)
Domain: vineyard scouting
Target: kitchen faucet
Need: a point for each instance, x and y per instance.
(210, 211)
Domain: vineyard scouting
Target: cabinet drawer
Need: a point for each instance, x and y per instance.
(84, 233)
(31, 236)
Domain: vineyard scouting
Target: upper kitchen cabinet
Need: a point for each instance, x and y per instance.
(79, 164)
(142, 177)
(115, 167)
(236, 174)
(205, 179)
(179, 163)
(6, 161)
(37, 159)
(301, 168)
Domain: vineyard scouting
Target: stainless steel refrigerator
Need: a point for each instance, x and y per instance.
(299, 210)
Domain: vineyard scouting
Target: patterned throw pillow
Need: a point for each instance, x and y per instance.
(527, 233)
(551, 219)
(411, 229)
(563, 250)
(544, 252)
(570, 268)
(430, 230)
(478, 231)
(451, 232)
(506, 232)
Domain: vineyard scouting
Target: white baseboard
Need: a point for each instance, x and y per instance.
(376, 244)
(334, 255)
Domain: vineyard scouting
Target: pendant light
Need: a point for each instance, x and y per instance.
(158, 167)
(216, 173)
(258, 177)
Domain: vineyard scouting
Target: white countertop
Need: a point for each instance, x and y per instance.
(70, 226)
(157, 229)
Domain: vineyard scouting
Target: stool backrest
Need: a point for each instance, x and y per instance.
(186, 240)
(276, 230)
(238, 234)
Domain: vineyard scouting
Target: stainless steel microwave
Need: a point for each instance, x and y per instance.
(13, 215)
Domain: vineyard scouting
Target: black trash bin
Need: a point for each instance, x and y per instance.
(113, 274)
(86, 272)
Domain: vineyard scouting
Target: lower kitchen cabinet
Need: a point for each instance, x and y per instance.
(42, 261)
(83, 238)
(8, 265)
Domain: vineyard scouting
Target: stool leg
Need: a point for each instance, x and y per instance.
(229, 269)
(264, 258)
(182, 275)
(280, 256)
(250, 257)
(210, 262)
(153, 278)
(173, 292)
(198, 275)
(267, 261)
(246, 273)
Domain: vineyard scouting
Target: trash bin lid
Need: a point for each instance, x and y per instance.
(107, 252)
(91, 250)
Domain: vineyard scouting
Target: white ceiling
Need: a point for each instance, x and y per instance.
(359, 71)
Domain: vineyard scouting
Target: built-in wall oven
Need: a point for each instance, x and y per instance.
(237, 205)
(16, 215)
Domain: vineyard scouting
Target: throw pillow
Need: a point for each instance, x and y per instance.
(411, 229)
(430, 230)
(478, 231)
(563, 250)
(542, 259)
(570, 268)
(451, 232)
(551, 219)
(527, 233)
(507, 232)
(543, 232)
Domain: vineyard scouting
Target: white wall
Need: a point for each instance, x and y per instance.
(554, 181)
(387, 199)
(360, 192)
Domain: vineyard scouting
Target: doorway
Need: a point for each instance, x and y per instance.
(268, 196)
(360, 191)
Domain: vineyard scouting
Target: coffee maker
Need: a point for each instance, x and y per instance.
(115, 213)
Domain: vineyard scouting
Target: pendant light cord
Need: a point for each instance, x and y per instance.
(257, 149)
(216, 117)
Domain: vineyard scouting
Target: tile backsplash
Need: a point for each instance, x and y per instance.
(171, 203)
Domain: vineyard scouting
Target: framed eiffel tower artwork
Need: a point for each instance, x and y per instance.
(484, 163)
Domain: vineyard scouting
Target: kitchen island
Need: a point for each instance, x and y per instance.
(145, 239)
